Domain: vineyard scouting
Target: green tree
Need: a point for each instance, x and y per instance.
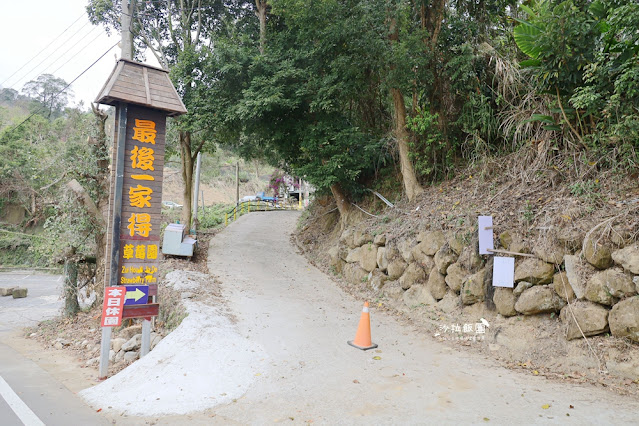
(177, 33)
(48, 91)
(586, 54)
(48, 168)
(312, 102)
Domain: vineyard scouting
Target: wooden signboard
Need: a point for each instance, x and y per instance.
(143, 96)
(142, 197)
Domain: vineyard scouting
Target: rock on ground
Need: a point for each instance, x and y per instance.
(550, 252)
(380, 240)
(562, 287)
(444, 258)
(455, 275)
(368, 257)
(377, 279)
(575, 270)
(6, 291)
(591, 317)
(393, 290)
(436, 284)
(521, 287)
(396, 268)
(431, 242)
(538, 300)
(473, 288)
(450, 302)
(624, 319)
(414, 274)
(596, 253)
(504, 300)
(133, 344)
(382, 259)
(469, 257)
(19, 293)
(628, 257)
(354, 274)
(609, 284)
(535, 271)
(354, 255)
(117, 343)
(418, 295)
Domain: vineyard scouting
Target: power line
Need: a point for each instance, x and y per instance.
(59, 58)
(43, 49)
(77, 53)
(67, 86)
(50, 54)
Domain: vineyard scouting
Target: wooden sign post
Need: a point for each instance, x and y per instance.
(143, 96)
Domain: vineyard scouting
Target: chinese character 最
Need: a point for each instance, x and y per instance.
(144, 131)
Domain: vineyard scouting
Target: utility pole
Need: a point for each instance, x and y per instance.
(127, 36)
(196, 191)
(237, 183)
(306, 194)
(126, 45)
(299, 194)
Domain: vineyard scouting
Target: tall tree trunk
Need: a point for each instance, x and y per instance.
(432, 21)
(411, 185)
(187, 177)
(261, 14)
(343, 204)
(71, 305)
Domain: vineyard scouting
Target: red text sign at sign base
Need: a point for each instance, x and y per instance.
(113, 305)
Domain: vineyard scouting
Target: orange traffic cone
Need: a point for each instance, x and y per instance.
(363, 336)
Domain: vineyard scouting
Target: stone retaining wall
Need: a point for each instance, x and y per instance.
(592, 285)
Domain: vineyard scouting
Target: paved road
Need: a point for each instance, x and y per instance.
(28, 394)
(299, 322)
(42, 302)
(303, 320)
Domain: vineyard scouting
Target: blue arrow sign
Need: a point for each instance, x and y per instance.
(137, 295)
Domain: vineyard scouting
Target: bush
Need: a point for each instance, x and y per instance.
(213, 216)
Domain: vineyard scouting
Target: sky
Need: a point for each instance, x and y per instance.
(69, 45)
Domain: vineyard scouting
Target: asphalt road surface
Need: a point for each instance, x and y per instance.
(29, 395)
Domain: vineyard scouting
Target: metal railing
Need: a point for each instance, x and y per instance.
(256, 206)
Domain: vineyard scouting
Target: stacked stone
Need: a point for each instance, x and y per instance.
(590, 284)
(124, 348)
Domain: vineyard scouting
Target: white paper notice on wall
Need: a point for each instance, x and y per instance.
(485, 234)
(504, 272)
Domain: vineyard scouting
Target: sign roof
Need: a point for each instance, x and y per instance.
(141, 84)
